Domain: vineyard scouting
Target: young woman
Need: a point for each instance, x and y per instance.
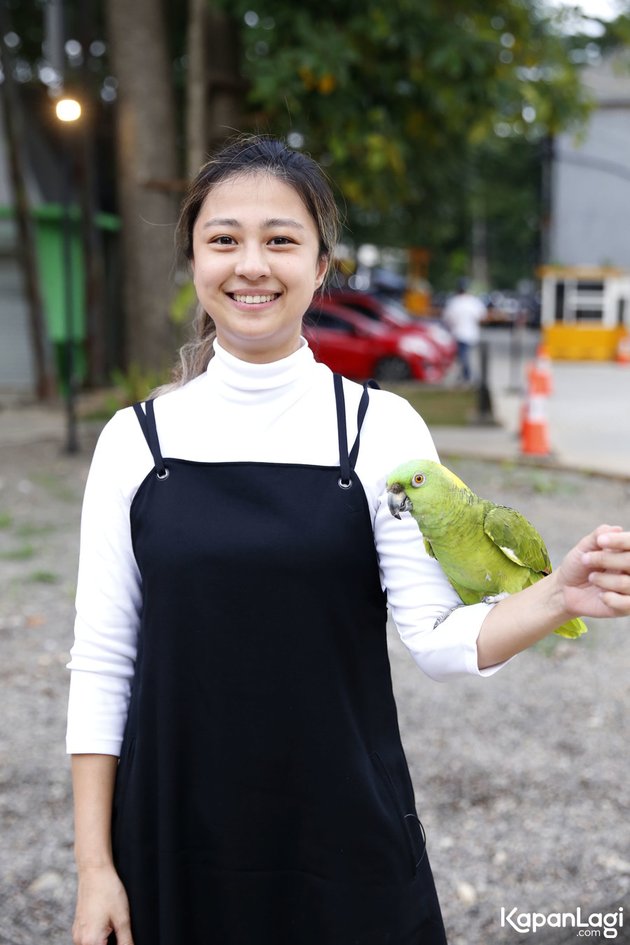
(238, 771)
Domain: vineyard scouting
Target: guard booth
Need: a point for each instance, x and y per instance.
(585, 312)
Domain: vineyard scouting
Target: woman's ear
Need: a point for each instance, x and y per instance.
(322, 268)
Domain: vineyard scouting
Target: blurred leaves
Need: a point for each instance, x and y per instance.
(423, 112)
(398, 100)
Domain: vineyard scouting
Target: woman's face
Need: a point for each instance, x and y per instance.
(256, 265)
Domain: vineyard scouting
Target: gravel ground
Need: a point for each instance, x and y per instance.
(521, 780)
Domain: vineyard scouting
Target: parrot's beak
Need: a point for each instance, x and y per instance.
(398, 500)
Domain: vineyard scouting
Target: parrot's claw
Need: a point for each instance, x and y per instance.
(446, 614)
(494, 598)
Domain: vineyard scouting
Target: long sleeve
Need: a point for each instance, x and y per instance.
(108, 603)
(439, 631)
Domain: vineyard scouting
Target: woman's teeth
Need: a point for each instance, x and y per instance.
(254, 299)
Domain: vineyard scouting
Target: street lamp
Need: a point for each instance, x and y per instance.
(68, 111)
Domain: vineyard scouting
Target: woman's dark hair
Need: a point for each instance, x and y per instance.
(241, 157)
(254, 155)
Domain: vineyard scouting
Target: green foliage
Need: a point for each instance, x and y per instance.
(426, 113)
(184, 304)
(417, 108)
(133, 386)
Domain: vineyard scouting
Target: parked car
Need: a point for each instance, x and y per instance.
(392, 312)
(359, 347)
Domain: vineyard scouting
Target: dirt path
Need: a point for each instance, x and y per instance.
(522, 780)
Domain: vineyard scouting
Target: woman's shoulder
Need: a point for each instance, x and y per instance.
(120, 431)
(121, 455)
(392, 432)
(384, 406)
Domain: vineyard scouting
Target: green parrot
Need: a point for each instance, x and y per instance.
(484, 549)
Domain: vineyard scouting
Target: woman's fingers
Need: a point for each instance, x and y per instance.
(123, 933)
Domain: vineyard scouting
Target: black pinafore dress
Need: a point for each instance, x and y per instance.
(263, 796)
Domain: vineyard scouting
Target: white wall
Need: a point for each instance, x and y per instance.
(590, 222)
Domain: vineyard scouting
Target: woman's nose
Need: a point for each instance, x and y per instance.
(252, 262)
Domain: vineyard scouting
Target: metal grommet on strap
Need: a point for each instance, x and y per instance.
(344, 483)
(162, 473)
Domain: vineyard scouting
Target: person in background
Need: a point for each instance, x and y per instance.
(463, 314)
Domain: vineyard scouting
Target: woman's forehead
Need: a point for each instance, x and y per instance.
(252, 195)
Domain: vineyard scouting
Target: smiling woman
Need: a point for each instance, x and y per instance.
(238, 771)
(269, 161)
(256, 263)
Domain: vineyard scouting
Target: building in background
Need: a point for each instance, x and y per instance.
(590, 177)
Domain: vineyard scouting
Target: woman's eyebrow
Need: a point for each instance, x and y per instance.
(282, 221)
(265, 225)
(220, 221)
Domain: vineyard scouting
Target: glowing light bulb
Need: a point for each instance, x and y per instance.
(68, 109)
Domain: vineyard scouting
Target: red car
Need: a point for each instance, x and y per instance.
(394, 313)
(361, 348)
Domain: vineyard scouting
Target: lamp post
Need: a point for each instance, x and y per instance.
(68, 111)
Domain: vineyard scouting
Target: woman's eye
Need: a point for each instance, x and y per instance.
(280, 241)
(223, 241)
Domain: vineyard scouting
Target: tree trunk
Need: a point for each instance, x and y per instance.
(225, 85)
(92, 241)
(479, 265)
(25, 244)
(196, 81)
(147, 172)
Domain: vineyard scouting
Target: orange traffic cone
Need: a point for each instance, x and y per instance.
(623, 350)
(534, 430)
(540, 380)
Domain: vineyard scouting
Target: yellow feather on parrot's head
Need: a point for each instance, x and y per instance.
(420, 483)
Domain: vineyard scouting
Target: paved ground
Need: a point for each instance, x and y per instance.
(588, 412)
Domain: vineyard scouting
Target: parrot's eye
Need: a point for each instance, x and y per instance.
(418, 479)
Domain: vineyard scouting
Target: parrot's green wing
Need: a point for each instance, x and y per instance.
(517, 538)
(428, 548)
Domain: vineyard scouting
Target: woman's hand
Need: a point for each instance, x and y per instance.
(102, 908)
(594, 577)
(592, 581)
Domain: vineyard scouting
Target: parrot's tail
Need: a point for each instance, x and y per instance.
(572, 629)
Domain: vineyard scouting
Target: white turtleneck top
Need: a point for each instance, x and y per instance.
(236, 411)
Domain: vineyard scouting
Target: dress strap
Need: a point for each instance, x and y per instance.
(347, 459)
(148, 427)
(363, 406)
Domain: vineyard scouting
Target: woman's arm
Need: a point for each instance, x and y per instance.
(102, 906)
(592, 581)
(440, 633)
